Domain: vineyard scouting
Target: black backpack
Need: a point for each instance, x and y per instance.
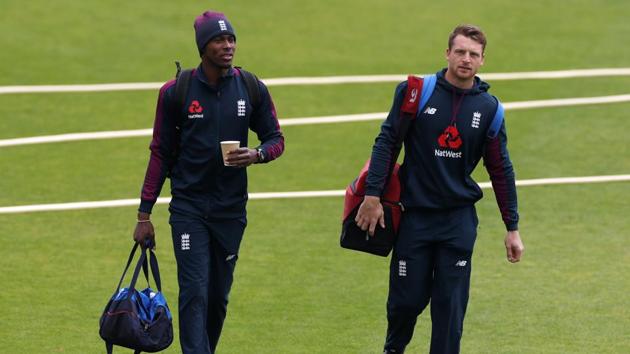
(182, 83)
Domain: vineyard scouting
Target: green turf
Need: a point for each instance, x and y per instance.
(89, 112)
(556, 142)
(296, 291)
(93, 41)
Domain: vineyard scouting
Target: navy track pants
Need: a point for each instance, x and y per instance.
(431, 262)
(206, 253)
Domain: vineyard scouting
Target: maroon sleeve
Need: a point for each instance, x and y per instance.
(163, 148)
(265, 123)
(501, 171)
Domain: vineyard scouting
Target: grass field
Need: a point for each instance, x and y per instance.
(296, 291)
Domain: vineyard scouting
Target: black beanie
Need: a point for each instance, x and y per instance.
(209, 25)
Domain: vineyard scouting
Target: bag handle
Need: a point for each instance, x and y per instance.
(155, 270)
(142, 264)
(133, 252)
(139, 265)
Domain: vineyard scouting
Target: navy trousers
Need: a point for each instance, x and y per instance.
(431, 262)
(206, 253)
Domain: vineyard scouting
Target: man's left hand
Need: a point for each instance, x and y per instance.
(514, 246)
(242, 157)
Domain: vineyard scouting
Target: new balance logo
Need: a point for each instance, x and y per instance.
(240, 106)
(402, 268)
(230, 257)
(430, 110)
(185, 242)
(222, 25)
(461, 263)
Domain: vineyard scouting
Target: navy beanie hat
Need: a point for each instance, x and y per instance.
(209, 25)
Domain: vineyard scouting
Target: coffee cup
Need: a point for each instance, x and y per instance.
(227, 146)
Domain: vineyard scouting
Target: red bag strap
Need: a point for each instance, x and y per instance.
(407, 115)
(412, 96)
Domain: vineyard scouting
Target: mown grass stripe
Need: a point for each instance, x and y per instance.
(308, 120)
(290, 195)
(324, 80)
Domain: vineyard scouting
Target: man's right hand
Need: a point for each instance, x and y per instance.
(144, 229)
(370, 213)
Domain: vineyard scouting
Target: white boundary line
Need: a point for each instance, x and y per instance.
(307, 120)
(289, 195)
(324, 80)
(76, 136)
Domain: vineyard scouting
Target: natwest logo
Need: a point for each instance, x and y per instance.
(195, 110)
(195, 107)
(448, 153)
(450, 138)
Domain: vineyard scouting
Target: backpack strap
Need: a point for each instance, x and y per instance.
(182, 83)
(409, 108)
(414, 92)
(418, 92)
(427, 91)
(497, 121)
(251, 83)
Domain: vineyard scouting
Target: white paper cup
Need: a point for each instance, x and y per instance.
(226, 146)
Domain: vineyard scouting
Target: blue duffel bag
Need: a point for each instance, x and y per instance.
(139, 320)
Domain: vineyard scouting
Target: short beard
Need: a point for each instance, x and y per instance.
(211, 62)
(221, 66)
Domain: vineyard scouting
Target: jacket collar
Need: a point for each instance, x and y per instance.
(202, 77)
(479, 86)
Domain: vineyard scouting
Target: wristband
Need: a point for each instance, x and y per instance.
(141, 221)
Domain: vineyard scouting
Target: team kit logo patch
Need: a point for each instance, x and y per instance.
(185, 241)
(476, 120)
(240, 108)
(195, 110)
(449, 141)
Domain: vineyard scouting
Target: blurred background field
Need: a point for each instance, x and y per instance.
(296, 291)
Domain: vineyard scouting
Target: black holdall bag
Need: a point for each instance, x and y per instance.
(352, 237)
(139, 320)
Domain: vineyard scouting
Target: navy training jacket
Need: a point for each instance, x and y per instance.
(186, 148)
(436, 171)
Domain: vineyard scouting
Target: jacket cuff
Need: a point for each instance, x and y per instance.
(146, 206)
(512, 226)
(373, 192)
